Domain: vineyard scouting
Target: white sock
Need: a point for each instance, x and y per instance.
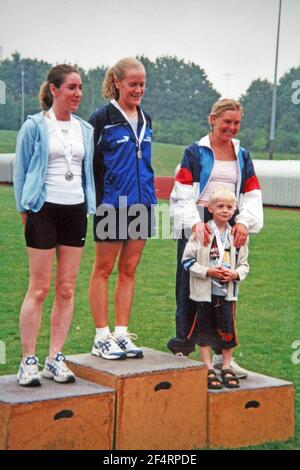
(218, 358)
(120, 331)
(102, 332)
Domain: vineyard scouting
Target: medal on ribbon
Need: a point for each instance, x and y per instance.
(139, 139)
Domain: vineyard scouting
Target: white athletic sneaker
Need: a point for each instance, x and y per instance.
(239, 371)
(57, 370)
(28, 374)
(108, 348)
(127, 345)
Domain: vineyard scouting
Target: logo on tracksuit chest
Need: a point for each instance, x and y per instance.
(123, 140)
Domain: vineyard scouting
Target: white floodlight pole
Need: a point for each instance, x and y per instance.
(22, 93)
(274, 94)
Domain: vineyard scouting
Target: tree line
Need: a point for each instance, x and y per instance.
(178, 96)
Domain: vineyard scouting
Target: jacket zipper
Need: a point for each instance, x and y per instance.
(138, 173)
(239, 181)
(202, 192)
(137, 164)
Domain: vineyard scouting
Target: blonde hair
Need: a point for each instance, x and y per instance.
(223, 105)
(56, 76)
(223, 194)
(118, 71)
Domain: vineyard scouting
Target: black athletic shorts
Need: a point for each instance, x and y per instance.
(216, 323)
(128, 223)
(56, 224)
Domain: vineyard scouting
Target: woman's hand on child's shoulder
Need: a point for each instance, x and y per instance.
(201, 232)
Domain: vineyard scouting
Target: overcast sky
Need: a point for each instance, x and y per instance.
(233, 40)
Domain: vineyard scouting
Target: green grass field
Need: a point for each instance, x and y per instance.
(8, 141)
(267, 315)
(172, 154)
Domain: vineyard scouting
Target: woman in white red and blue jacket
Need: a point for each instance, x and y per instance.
(125, 199)
(217, 160)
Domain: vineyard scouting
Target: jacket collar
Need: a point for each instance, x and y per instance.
(39, 119)
(116, 117)
(230, 237)
(205, 142)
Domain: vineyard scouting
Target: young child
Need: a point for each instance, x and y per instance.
(215, 271)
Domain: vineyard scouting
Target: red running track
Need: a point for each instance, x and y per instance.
(163, 186)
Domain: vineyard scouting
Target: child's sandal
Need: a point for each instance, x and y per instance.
(213, 381)
(229, 379)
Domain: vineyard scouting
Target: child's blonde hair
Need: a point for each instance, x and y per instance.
(223, 194)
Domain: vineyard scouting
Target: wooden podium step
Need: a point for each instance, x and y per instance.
(161, 399)
(56, 416)
(261, 410)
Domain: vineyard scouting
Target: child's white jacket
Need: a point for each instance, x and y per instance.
(196, 256)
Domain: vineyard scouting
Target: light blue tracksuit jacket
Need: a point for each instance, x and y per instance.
(32, 161)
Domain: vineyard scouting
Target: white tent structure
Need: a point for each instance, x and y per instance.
(279, 181)
(6, 167)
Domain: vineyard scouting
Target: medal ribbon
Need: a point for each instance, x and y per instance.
(139, 139)
(68, 149)
(220, 244)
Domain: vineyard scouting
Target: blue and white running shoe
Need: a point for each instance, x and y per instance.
(127, 345)
(108, 348)
(57, 370)
(28, 374)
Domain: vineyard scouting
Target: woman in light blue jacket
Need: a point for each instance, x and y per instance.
(54, 191)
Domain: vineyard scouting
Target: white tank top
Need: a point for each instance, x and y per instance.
(225, 174)
(59, 190)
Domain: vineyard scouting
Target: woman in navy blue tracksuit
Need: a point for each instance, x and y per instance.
(125, 199)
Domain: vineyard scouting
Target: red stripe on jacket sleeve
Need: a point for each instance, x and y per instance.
(184, 176)
(251, 184)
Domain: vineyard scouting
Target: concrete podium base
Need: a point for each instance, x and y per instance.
(55, 416)
(161, 400)
(261, 410)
